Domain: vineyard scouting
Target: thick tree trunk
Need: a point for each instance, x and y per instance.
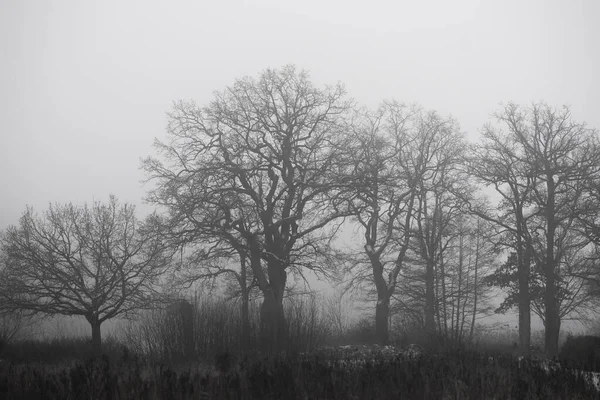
(272, 318)
(96, 336)
(382, 308)
(272, 323)
(382, 314)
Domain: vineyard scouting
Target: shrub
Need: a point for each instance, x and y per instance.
(362, 332)
(212, 326)
(461, 375)
(581, 352)
(59, 350)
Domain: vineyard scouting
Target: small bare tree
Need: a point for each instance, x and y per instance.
(97, 262)
(12, 325)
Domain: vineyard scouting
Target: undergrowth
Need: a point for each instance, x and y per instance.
(445, 375)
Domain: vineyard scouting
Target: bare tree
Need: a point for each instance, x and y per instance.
(438, 211)
(463, 256)
(97, 262)
(469, 257)
(575, 299)
(498, 162)
(588, 225)
(263, 157)
(396, 149)
(545, 159)
(13, 323)
(337, 310)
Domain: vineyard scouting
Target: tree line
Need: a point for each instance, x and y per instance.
(254, 188)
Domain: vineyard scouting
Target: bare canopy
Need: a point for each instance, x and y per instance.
(97, 262)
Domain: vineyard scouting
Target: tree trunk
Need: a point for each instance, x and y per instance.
(459, 292)
(382, 313)
(444, 298)
(96, 336)
(452, 307)
(475, 286)
(550, 295)
(438, 313)
(524, 300)
(428, 237)
(272, 323)
(272, 318)
(382, 308)
(552, 320)
(245, 306)
(430, 301)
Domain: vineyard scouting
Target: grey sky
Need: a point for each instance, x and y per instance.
(84, 85)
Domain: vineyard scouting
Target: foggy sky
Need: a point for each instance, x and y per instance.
(85, 85)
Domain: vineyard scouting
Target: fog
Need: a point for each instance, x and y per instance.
(85, 86)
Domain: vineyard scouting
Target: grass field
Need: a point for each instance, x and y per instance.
(346, 372)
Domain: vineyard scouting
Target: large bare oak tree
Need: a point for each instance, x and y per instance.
(260, 161)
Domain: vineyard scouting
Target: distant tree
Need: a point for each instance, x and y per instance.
(255, 171)
(12, 325)
(588, 225)
(97, 262)
(575, 300)
(438, 214)
(464, 255)
(468, 259)
(337, 311)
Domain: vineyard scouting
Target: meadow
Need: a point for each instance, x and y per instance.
(350, 372)
(141, 363)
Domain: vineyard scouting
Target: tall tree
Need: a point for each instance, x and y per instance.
(263, 157)
(97, 262)
(557, 155)
(395, 149)
(438, 211)
(499, 162)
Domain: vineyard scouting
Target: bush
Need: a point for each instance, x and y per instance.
(461, 375)
(214, 327)
(362, 332)
(59, 350)
(581, 352)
